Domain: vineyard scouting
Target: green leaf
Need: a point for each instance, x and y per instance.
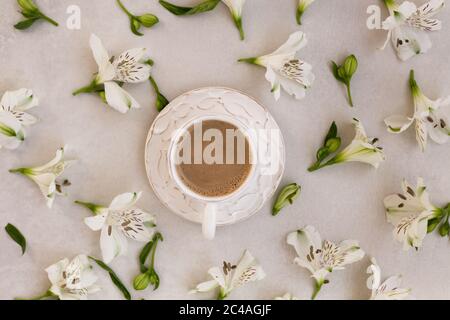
(135, 26)
(25, 24)
(287, 196)
(335, 68)
(17, 236)
(205, 6)
(144, 255)
(161, 100)
(332, 133)
(433, 223)
(114, 278)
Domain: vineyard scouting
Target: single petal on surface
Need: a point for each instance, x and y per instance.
(119, 99)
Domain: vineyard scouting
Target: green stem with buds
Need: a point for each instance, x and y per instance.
(349, 94)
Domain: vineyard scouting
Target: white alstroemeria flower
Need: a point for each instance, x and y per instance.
(284, 70)
(129, 67)
(118, 222)
(230, 277)
(45, 176)
(361, 149)
(73, 280)
(410, 212)
(301, 8)
(407, 26)
(236, 7)
(322, 257)
(13, 117)
(428, 115)
(287, 296)
(388, 290)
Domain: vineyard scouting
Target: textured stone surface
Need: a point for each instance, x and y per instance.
(341, 202)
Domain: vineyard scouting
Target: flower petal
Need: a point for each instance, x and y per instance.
(398, 124)
(106, 69)
(205, 286)
(421, 133)
(125, 201)
(133, 224)
(97, 222)
(112, 243)
(19, 100)
(247, 270)
(128, 67)
(119, 99)
(274, 80)
(374, 281)
(55, 270)
(306, 242)
(409, 42)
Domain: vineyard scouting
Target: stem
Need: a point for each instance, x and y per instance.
(249, 60)
(50, 20)
(152, 262)
(317, 288)
(298, 15)
(349, 94)
(238, 23)
(93, 207)
(87, 89)
(124, 9)
(221, 295)
(47, 294)
(23, 171)
(154, 84)
(319, 165)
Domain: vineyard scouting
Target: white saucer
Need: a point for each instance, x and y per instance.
(213, 101)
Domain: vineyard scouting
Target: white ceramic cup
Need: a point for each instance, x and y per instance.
(209, 223)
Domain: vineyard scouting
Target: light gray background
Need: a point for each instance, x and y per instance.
(342, 202)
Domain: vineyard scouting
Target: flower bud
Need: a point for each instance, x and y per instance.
(148, 20)
(141, 282)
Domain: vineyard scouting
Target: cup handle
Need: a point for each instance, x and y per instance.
(209, 221)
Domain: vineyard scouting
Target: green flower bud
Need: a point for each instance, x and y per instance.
(444, 229)
(286, 196)
(141, 282)
(27, 6)
(333, 144)
(148, 20)
(350, 66)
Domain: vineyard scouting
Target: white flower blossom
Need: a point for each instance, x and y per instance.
(322, 257)
(45, 176)
(13, 118)
(119, 221)
(129, 67)
(361, 149)
(429, 117)
(286, 71)
(389, 289)
(407, 26)
(409, 213)
(230, 277)
(73, 280)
